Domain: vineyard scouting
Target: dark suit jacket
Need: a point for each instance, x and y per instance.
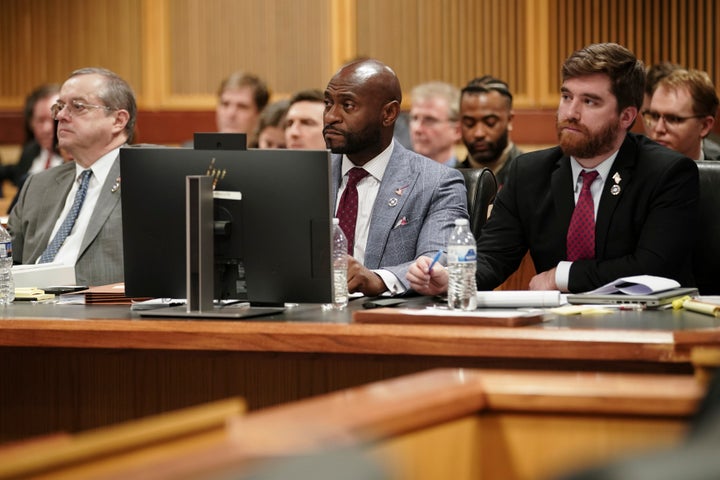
(647, 228)
(501, 175)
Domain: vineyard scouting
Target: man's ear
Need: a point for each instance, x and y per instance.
(121, 119)
(390, 112)
(627, 117)
(708, 123)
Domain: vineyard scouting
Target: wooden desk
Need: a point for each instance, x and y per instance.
(72, 368)
(453, 423)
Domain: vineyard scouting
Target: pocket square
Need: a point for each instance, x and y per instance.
(401, 222)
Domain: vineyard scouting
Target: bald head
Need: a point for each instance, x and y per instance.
(362, 102)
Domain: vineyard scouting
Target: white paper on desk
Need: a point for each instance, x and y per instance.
(637, 285)
(518, 298)
(43, 275)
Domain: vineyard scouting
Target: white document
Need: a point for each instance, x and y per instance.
(518, 298)
(637, 285)
(43, 275)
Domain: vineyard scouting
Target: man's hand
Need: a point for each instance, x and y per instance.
(544, 281)
(424, 282)
(360, 279)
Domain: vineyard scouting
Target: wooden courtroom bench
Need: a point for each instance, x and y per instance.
(444, 423)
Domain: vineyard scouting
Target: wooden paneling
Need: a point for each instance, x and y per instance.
(449, 40)
(44, 40)
(679, 31)
(287, 42)
(175, 52)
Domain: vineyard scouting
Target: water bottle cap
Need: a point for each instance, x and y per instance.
(336, 221)
(462, 221)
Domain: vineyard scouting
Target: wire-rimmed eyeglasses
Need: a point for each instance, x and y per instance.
(652, 118)
(75, 108)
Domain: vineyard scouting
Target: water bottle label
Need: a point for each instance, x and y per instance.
(461, 253)
(5, 249)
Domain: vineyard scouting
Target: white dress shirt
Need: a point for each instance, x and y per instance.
(70, 249)
(41, 161)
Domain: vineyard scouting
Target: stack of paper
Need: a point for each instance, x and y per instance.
(113, 294)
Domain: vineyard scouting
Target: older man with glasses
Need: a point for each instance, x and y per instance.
(434, 124)
(71, 214)
(682, 113)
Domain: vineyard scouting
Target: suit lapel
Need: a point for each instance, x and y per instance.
(562, 190)
(398, 182)
(55, 197)
(106, 203)
(619, 178)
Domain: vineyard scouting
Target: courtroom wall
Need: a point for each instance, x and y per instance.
(175, 52)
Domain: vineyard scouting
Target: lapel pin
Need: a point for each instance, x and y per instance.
(615, 189)
(116, 187)
(400, 190)
(392, 202)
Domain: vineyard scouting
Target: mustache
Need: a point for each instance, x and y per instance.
(574, 124)
(332, 129)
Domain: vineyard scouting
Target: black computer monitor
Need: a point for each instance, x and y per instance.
(275, 241)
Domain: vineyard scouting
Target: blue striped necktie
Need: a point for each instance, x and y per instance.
(67, 225)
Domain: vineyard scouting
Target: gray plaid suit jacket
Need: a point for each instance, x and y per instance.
(40, 202)
(415, 222)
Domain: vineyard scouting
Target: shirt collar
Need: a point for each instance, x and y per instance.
(101, 167)
(375, 167)
(603, 168)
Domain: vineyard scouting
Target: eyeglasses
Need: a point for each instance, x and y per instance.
(429, 122)
(652, 118)
(75, 108)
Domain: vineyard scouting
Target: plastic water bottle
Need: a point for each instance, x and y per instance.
(7, 284)
(462, 257)
(339, 268)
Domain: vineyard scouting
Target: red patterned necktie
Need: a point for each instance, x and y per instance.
(348, 206)
(581, 232)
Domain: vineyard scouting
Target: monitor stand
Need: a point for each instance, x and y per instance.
(200, 261)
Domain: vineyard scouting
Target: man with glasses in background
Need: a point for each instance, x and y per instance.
(486, 121)
(71, 214)
(682, 113)
(434, 124)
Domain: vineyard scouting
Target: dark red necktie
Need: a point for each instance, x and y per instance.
(581, 232)
(348, 206)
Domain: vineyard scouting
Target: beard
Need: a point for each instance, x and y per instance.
(494, 149)
(586, 144)
(354, 142)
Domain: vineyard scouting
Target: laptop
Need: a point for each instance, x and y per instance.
(652, 300)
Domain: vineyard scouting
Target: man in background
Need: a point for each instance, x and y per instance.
(682, 114)
(304, 121)
(486, 121)
(72, 214)
(393, 204)
(39, 151)
(434, 124)
(241, 98)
